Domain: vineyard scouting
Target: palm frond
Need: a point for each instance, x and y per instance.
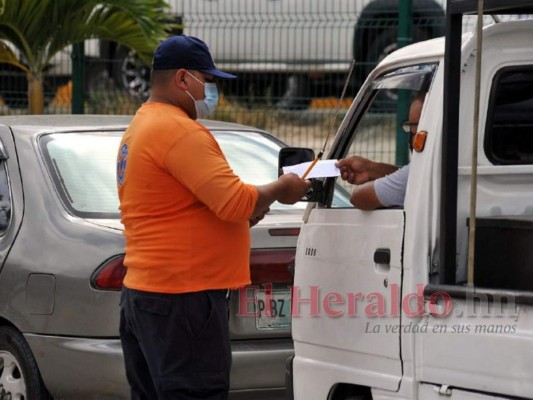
(7, 56)
(39, 29)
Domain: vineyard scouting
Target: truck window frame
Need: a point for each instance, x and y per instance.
(415, 77)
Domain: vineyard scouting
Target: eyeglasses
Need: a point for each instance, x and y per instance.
(406, 126)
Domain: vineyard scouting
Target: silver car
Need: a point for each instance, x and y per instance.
(61, 250)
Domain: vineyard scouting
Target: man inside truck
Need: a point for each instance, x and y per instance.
(381, 185)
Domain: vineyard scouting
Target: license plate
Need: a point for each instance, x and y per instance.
(273, 308)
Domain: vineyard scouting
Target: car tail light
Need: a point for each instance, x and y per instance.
(266, 266)
(272, 265)
(110, 274)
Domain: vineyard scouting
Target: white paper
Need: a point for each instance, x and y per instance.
(322, 169)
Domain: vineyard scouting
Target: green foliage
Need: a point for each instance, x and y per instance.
(7, 56)
(41, 28)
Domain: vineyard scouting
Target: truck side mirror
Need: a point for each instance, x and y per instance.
(292, 156)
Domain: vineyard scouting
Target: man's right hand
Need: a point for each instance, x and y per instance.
(293, 188)
(358, 170)
(288, 189)
(355, 169)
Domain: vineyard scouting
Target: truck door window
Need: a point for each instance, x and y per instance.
(375, 129)
(509, 129)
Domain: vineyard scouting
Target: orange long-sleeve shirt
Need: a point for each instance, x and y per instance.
(184, 211)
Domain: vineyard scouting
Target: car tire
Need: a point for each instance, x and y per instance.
(131, 74)
(19, 374)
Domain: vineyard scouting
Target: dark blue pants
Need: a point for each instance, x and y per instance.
(176, 346)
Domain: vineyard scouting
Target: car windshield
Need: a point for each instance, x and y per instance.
(83, 167)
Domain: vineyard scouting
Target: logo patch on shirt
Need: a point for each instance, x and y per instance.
(121, 164)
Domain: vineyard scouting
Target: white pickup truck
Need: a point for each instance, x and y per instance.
(376, 313)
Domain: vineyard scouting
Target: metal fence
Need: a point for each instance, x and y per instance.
(291, 57)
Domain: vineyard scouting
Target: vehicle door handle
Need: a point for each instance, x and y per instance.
(382, 256)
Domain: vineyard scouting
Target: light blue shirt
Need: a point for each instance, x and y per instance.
(390, 190)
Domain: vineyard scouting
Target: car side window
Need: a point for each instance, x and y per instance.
(509, 128)
(5, 198)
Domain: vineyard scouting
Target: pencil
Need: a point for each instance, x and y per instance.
(310, 168)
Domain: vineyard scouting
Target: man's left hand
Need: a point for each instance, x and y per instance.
(255, 220)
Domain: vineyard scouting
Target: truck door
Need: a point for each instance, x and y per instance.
(347, 329)
(346, 311)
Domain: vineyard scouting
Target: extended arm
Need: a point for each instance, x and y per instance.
(380, 184)
(288, 189)
(358, 170)
(206, 173)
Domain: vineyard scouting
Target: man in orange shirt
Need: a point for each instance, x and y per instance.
(187, 218)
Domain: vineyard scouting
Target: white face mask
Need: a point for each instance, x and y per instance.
(208, 105)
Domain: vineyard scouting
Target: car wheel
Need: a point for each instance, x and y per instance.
(19, 375)
(131, 74)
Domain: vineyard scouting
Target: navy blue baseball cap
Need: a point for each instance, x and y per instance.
(186, 52)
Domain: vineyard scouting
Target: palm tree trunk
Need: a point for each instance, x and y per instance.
(35, 93)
